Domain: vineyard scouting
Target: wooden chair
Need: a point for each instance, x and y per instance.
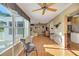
(28, 47)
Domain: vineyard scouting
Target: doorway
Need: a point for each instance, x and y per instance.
(69, 30)
(73, 32)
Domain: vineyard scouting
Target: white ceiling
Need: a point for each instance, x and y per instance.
(37, 16)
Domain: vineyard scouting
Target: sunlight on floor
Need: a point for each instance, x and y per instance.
(48, 45)
(51, 46)
(59, 52)
(56, 50)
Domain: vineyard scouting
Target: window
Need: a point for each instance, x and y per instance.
(5, 38)
(20, 27)
(2, 24)
(11, 32)
(20, 24)
(27, 28)
(10, 23)
(10, 28)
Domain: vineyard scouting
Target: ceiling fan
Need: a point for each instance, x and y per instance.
(44, 7)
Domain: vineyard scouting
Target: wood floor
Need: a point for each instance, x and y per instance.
(74, 48)
(46, 47)
(43, 43)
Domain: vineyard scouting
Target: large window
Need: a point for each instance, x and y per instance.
(12, 28)
(5, 31)
(5, 38)
(20, 27)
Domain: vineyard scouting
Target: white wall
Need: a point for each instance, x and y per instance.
(75, 37)
(61, 18)
(75, 29)
(58, 31)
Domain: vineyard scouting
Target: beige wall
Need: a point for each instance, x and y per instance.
(62, 17)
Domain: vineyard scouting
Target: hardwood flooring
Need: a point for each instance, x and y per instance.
(74, 48)
(47, 47)
(42, 43)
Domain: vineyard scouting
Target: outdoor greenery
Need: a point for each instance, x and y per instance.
(2, 23)
(1, 29)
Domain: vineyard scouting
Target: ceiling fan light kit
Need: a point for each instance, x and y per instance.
(44, 7)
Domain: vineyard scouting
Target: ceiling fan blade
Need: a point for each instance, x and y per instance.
(36, 10)
(49, 4)
(51, 9)
(44, 4)
(40, 4)
(43, 11)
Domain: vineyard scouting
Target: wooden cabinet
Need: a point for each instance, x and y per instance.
(75, 20)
